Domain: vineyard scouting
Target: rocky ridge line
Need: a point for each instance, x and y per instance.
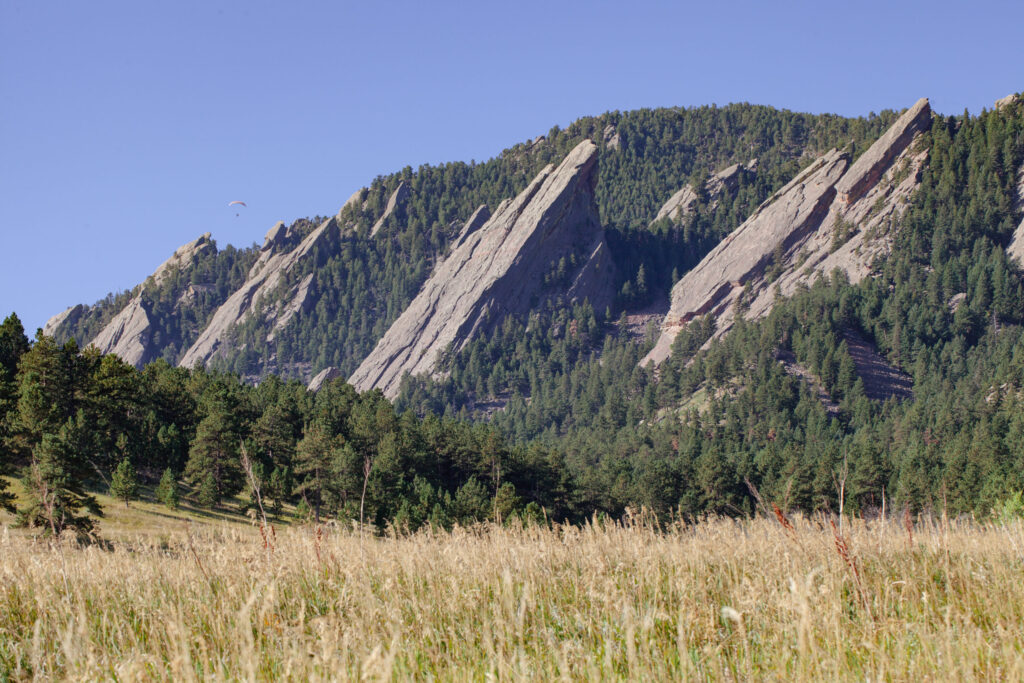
(499, 269)
(832, 215)
(275, 262)
(129, 333)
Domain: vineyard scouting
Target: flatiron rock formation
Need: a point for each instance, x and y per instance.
(129, 333)
(270, 271)
(682, 203)
(323, 377)
(501, 268)
(832, 215)
(395, 202)
(1016, 248)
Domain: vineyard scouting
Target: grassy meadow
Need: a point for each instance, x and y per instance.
(718, 600)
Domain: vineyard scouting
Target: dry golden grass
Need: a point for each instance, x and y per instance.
(729, 600)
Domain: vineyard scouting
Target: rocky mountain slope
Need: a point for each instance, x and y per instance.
(506, 265)
(832, 215)
(325, 293)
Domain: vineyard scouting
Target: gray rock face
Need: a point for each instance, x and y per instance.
(611, 137)
(682, 203)
(500, 269)
(1006, 101)
(1016, 248)
(870, 166)
(68, 316)
(805, 230)
(323, 377)
(128, 334)
(275, 236)
(475, 222)
(395, 202)
(265, 277)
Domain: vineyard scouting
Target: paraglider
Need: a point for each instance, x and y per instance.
(236, 202)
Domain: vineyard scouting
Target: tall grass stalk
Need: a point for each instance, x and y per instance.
(722, 599)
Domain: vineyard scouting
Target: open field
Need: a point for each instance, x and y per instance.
(717, 600)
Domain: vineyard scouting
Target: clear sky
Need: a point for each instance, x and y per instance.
(127, 127)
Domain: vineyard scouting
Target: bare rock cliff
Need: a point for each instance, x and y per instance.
(276, 261)
(1016, 248)
(129, 333)
(499, 268)
(832, 215)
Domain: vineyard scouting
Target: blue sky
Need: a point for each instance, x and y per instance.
(127, 127)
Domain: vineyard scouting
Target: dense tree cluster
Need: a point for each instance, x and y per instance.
(75, 422)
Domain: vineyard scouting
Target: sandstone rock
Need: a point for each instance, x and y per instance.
(1006, 101)
(322, 378)
(805, 230)
(183, 257)
(498, 270)
(264, 278)
(870, 166)
(275, 236)
(955, 301)
(68, 317)
(302, 301)
(395, 202)
(789, 215)
(127, 334)
(683, 202)
(475, 222)
(611, 137)
(356, 198)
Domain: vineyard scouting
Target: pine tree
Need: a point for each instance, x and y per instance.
(56, 495)
(124, 483)
(213, 465)
(167, 489)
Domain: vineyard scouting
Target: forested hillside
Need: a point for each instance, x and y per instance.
(361, 283)
(905, 387)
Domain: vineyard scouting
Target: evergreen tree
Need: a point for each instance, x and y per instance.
(213, 464)
(167, 489)
(55, 490)
(124, 483)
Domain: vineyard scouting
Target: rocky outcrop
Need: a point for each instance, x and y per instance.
(475, 222)
(68, 317)
(832, 215)
(868, 169)
(266, 276)
(1006, 101)
(500, 269)
(611, 137)
(183, 257)
(395, 202)
(322, 378)
(683, 203)
(1016, 248)
(129, 333)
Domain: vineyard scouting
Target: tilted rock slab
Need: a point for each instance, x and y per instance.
(682, 203)
(832, 215)
(129, 333)
(322, 378)
(1016, 248)
(265, 276)
(499, 269)
(395, 201)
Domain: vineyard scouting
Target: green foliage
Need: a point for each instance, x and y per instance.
(167, 490)
(124, 483)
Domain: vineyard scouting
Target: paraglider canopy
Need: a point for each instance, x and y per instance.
(236, 202)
